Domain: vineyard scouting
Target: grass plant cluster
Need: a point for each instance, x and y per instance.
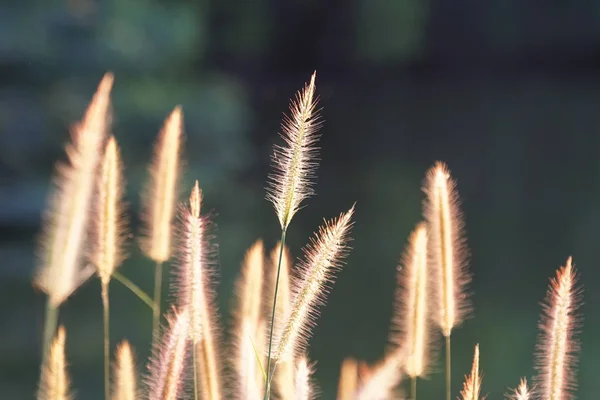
(277, 299)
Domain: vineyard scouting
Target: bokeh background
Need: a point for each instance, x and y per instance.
(506, 92)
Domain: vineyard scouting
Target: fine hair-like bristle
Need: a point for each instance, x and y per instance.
(382, 380)
(558, 344)
(284, 374)
(472, 384)
(323, 257)
(446, 248)
(109, 228)
(410, 328)
(168, 360)
(54, 383)
(249, 323)
(522, 392)
(66, 224)
(295, 162)
(303, 385)
(125, 377)
(160, 197)
(195, 293)
(348, 381)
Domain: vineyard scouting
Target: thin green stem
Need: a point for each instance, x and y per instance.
(448, 369)
(50, 322)
(105, 306)
(157, 293)
(134, 288)
(413, 388)
(268, 381)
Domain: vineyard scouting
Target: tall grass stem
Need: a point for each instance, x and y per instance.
(413, 388)
(448, 369)
(50, 322)
(268, 370)
(105, 306)
(157, 293)
(135, 289)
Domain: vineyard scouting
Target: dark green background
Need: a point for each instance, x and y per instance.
(506, 92)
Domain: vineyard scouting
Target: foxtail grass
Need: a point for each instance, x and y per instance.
(348, 381)
(522, 392)
(159, 202)
(472, 385)
(54, 383)
(447, 255)
(125, 376)
(558, 343)
(303, 387)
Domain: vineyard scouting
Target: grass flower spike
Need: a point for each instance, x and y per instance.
(447, 255)
(54, 384)
(472, 385)
(168, 360)
(125, 379)
(159, 201)
(558, 344)
(522, 392)
(303, 386)
(348, 381)
(323, 257)
(195, 294)
(382, 379)
(296, 161)
(66, 225)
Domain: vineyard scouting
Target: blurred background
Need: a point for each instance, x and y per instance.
(506, 92)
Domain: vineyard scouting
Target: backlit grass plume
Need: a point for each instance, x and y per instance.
(382, 379)
(558, 345)
(295, 162)
(348, 381)
(447, 255)
(159, 200)
(125, 378)
(109, 234)
(167, 364)
(303, 386)
(323, 256)
(54, 383)
(249, 322)
(522, 392)
(410, 329)
(195, 293)
(472, 384)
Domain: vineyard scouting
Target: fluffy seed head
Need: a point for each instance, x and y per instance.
(410, 329)
(472, 384)
(125, 384)
(303, 385)
(348, 379)
(168, 360)
(54, 383)
(446, 248)
(558, 344)
(382, 380)
(159, 200)
(109, 232)
(295, 162)
(522, 392)
(66, 224)
(249, 287)
(323, 256)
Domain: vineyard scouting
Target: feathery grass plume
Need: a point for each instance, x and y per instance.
(54, 383)
(248, 331)
(169, 357)
(196, 294)
(348, 381)
(296, 161)
(284, 375)
(323, 256)
(447, 255)
(66, 223)
(410, 331)
(109, 227)
(382, 380)
(303, 385)
(159, 202)
(522, 392)
(558, 344)
(447, 247)
(109, 234)
(125, 378)
(472, 384)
